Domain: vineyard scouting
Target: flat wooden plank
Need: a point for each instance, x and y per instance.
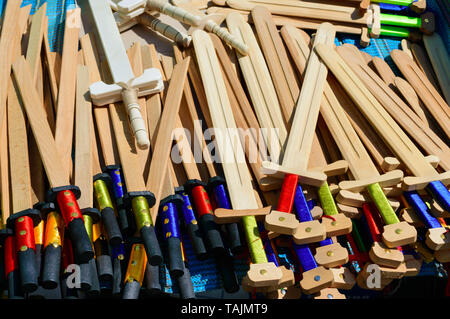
(67, 89)
(420, 56)
(56, 173)
(4, 172)
(52, 62)
(163, 143)
(260, 87)
(83, 139)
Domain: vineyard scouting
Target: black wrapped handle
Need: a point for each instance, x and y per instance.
(51, 267)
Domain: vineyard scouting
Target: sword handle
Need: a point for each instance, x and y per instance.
(382, 204)
(232, 229)
(421, 209)
(119, 191)
(130, 100)
(171, 233)
(166, 30)
(52, 250)
(287, 194)
(12, 269)
(135, 272)
(440, 193)
(151, 278)
(209, 227)
(177, 13)
(146, 229)
(185, 285)
(73, 219)
(106, 207)
(305, 257)
(369, 214)
(226, 36)
(193, 229)
(301, 206)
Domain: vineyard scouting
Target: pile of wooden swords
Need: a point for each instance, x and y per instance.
(251, 137)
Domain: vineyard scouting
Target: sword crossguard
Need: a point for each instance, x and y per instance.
(330, 256)
(316, 279)
(343, 278)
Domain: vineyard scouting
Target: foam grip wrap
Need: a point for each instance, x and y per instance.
(226, 270)
(131, 290)
(287, 193)
(151, 244)
(111, 226)
(117, 277)
(85, 276)
(185, 285)
(440, 193)
(14, 291)
(151, 279)
(214, 241)
(82, 247)
(176, 263)
(95, 284)
(51, 267)
(28, 273)
(421, 209)
(105, 268)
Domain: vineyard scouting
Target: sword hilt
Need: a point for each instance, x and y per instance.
(135, 272)
(11, 264)
(66, 198)
(23, 223)
(52, 250)
(217, 185)
(382, 203)
(192, 226)
(177, 13)
(140, 204)
(205, 214)
(130, 100)
(171, 233)
(166, 30)
(106, 207)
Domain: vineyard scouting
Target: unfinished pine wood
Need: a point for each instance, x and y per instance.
(38, 24)
(163, 143)
(4, 172)
(395, 106)
(303, 9)
(236, 172)
(440, 61)
(406, 46)
(430, 97)
(298, 22)
(408, 93)
(9, 41)
(18, 153)
(384, 71)
(102, 118)
(52, 62)
(66, 95)
(285, 82)
(57, 174)
(307, 109)
(260, 87)
(397, 140)
(83, 139)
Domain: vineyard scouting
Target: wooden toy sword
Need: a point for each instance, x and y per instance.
(236, 172)
(392, 134)
(126, 86)
(61, 192)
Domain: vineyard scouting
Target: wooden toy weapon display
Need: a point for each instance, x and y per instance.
(400, 144)
(126, 86)
(261, 273)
